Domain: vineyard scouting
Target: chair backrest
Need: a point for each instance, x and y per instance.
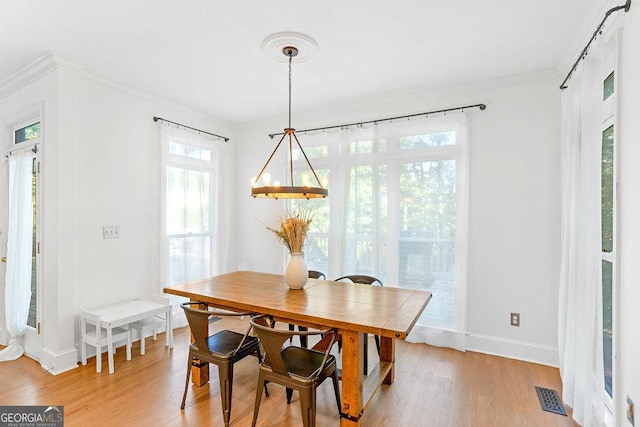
(273, 339)
(198, 315)
(361, 278)
(313, 274)
(90, 318)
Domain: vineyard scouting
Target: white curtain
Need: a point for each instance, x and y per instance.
(198, 203)
(19, 251)
(341, 193)
(224, 200)
(375, 221)
(580, 300)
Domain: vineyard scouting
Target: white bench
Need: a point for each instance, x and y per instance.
(121, 316)
(151, 324)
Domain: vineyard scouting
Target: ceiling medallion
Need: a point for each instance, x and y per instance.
(274, 45)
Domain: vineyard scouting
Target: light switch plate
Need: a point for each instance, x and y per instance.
(110, 232)
(515, 319)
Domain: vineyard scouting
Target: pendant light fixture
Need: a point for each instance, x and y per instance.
(274, 190)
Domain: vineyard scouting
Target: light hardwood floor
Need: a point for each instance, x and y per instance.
(433, 387)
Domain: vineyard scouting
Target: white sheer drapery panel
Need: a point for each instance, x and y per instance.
(341, 191)
(444, 322)
(580, 298)
(197, 204)
(224, 200)
(19, 251)
(364, 229)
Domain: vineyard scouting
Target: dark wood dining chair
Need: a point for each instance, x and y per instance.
(224, 348)
(313, 274)
(293, 367)
(365, 280)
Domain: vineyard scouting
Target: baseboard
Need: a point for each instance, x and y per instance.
(512, 349)
(486, 344)
(57, 363)
(178, 319)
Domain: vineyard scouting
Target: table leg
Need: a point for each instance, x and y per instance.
(352, 378)
(169, 329)
(110, 349)
(303, 338)
(199, 368)
(388, 354)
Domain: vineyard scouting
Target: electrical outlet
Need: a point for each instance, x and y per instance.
(110, 232)
(515, 319)
(630, 410)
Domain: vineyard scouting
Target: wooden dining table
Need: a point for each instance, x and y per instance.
(354, 309)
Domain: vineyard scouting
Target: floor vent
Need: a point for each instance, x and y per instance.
(550, 401)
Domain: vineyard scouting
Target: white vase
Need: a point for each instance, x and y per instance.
(296, 273)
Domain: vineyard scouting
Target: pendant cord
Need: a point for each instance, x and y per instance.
(290, 58)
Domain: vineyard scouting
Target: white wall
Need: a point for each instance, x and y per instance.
(514, 204)
(101, 161)
(514, 230)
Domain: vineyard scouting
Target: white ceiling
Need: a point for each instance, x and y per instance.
(207, 54)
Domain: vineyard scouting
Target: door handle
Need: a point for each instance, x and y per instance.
(3, 259)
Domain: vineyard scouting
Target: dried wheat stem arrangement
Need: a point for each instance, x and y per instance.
(293, 229)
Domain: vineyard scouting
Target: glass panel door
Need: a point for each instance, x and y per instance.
(427, 232)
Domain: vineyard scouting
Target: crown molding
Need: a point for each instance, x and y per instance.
(49, 62)
(41, 66)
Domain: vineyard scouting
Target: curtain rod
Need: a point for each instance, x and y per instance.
(598, 30)
(481, 106)
(155, 119)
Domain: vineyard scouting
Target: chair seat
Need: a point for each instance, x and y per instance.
(302, 362)
(226, 342)
(118, 334)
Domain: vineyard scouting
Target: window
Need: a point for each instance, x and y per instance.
(32, 319)
(608, 226)
(25, 136)
(190, 183)
(26, 133)
(396, 209)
